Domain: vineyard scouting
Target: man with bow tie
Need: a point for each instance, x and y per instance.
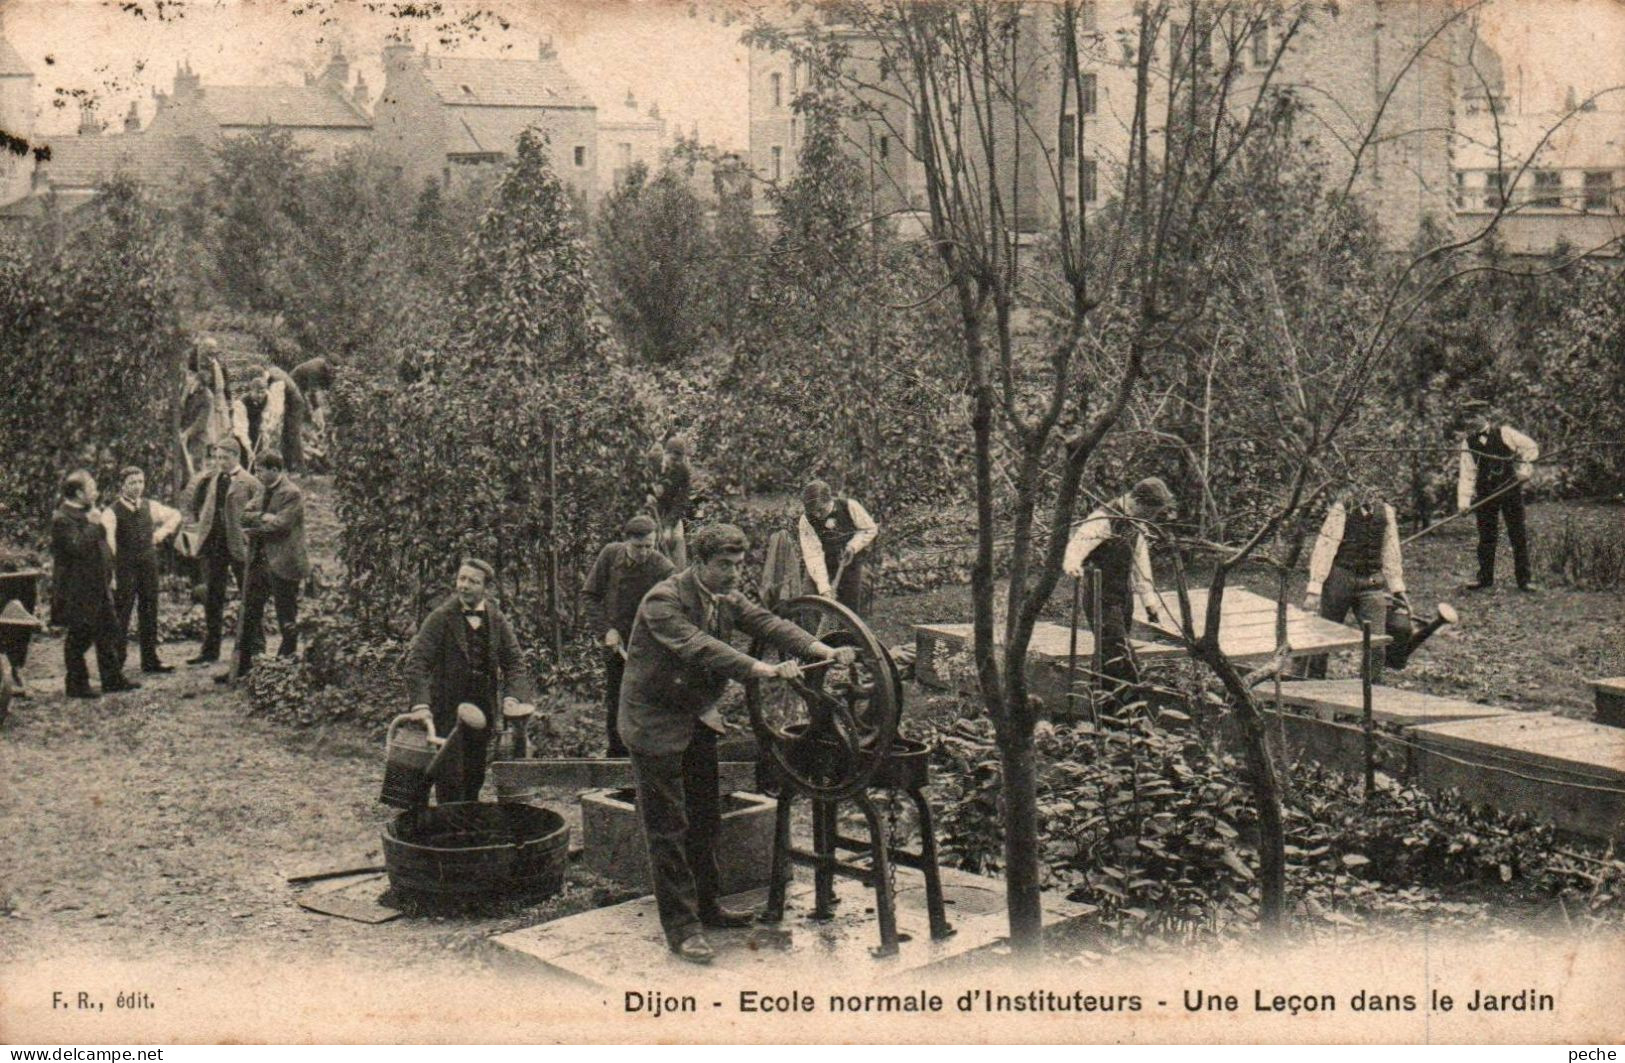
(679, 661)
(1354, 566)
(466, 651)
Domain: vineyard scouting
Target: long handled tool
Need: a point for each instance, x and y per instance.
(237, 649)
(1436, 525)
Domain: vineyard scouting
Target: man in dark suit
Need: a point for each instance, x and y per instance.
(82, 591)
(622, 575)
(216, 499)
(136, 526)
(678, 663)
(279, 564)
(466, 651)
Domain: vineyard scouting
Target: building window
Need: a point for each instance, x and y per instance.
(1089, 187)
(1461, 190)
(1548, 190)
(1089, 15)
(1086, 94)
(794, 76)
(1261, 46)
(1069, 136)
(777, 80)
(1495, 189)
(778, 162)
(885, 147)
(581, 155)
(1599, 188)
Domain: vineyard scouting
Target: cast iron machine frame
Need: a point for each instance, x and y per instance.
(831, 737)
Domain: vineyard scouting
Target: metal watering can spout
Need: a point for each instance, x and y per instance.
(1407, 632)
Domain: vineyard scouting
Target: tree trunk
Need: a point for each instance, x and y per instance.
(1018, 758)
(1266, 789)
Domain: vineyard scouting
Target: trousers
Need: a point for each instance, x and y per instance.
(1367, 598)
(218, 566)
(264, 584)
(138, 591)
(1510, 506)
(103, 633)
(681, 816)
(614, 669)
(1121, 678)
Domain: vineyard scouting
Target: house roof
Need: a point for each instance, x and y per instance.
(487, 130)
(87, 161)
(11, 64)
(463, 82)
(295, 106)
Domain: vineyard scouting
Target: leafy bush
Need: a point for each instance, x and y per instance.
(1149, 819)
(456, 461)
(1592, 556)
(94, 353)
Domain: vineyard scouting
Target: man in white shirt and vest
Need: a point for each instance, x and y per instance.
(1112, 539)
(1354, 566)
(135, 526)
(1496, 461)
(834, 532)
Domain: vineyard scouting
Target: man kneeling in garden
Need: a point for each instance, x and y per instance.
(678, 663)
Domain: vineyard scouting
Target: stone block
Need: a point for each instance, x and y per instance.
(612, 839)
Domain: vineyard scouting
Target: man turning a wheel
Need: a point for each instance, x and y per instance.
(678, 663)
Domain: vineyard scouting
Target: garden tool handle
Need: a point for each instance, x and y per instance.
(412, 717)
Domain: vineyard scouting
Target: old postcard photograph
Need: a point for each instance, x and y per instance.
(901, 521)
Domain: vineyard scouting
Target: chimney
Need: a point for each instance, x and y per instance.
(187, 83)
(88, 126)
(545, 50)
(654, 111)
(631, 101)
(337, 74)
(359, 95)
(132, 119)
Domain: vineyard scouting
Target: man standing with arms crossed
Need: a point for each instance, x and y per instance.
(679, 661)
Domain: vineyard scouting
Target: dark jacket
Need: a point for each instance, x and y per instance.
(437, 664)
(244, 492)
(278, 525)
(617, 584)
(81, 570)
(677, 667)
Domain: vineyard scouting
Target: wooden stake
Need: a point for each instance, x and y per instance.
(1072, 642)
(553, 542)
(1366, 722)
(1099, 657)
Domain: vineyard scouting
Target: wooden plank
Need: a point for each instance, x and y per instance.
(1572, 804)
(1335, 699)
(586, 773)
(1247, 626)
(1539, 741)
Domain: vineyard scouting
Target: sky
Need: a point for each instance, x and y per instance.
(678, 54)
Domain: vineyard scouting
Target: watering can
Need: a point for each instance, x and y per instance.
(408, 754)
(1407, 632)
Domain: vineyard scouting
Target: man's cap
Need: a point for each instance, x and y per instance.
(642, 524)
(1151, 491)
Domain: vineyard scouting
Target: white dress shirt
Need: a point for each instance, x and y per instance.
(812, 547)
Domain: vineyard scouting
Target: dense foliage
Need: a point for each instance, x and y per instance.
(94, 353)
(457, 462)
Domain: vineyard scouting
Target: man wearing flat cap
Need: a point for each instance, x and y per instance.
(1112, 539)
(679, 661)
(623, 573)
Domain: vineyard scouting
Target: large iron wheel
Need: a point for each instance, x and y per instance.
(827, 733)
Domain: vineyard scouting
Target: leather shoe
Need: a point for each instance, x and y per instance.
(1479, 587)
(85, 692)
(1529, 588)
(695, 949)
(204, 658)
(119, 686)
(726, 919)
(157, 668)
